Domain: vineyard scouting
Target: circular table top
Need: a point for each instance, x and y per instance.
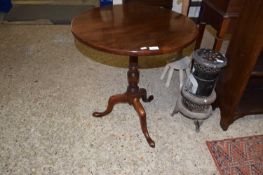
(134, 30)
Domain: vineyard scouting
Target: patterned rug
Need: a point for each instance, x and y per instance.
(238, 156)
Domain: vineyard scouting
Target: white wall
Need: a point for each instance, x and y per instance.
(177, 7)
(117, 1)
(193, 12)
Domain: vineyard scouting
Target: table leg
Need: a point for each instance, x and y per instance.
(221, 34)
(142, 115)
(119, 98)
(143, 95)
(201, 30)
(132, 97)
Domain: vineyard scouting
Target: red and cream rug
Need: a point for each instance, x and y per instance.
(238, 156)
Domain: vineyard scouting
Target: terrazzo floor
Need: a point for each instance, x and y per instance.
(48, 91)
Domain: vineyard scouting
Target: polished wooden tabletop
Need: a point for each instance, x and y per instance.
(134, 30)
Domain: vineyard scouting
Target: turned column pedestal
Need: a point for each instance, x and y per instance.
(132, 96)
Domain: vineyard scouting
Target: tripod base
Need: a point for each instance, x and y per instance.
(132, 96)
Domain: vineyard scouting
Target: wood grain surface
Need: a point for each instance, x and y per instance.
(133, 29)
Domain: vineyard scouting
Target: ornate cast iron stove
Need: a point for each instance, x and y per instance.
(198, 93)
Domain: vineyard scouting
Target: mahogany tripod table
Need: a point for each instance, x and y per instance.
(133, 30)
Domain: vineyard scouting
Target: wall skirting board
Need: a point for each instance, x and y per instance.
(64, 2)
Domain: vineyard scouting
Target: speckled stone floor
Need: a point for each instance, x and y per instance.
(48, 92)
